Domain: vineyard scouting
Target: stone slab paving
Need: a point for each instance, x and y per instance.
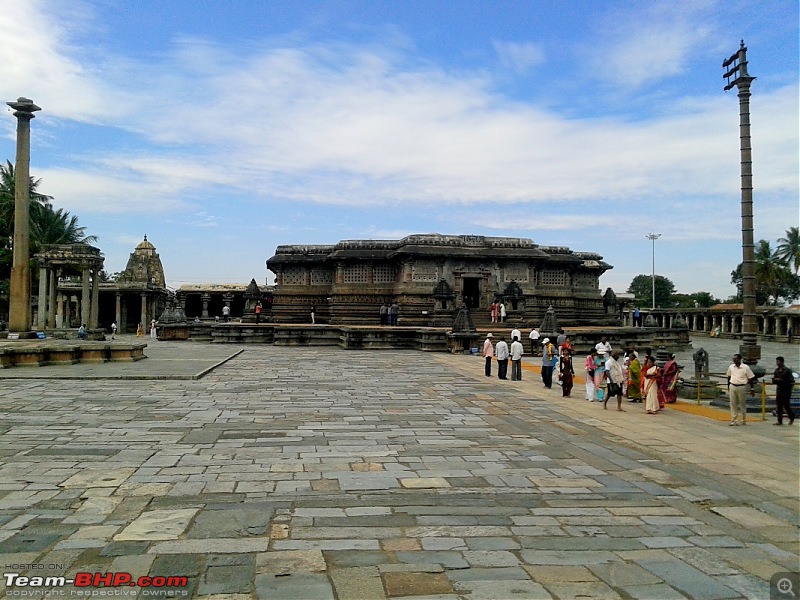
(325, 473)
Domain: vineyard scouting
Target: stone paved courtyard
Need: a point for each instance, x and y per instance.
(293, 473)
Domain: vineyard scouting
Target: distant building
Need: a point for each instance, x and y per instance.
(431, 275)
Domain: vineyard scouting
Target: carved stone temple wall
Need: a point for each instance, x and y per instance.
(431, 276)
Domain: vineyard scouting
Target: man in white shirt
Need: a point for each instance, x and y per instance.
(534, 338)
(515, 333)
(516, 359)
(604, 346)
(614, 377)
(739, 375)
(502, 358)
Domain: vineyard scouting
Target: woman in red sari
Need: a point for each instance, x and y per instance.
(669, 379)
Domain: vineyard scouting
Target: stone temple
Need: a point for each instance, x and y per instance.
(431, 276)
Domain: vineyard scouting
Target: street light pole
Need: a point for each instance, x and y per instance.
(654, 237)
(736, 66)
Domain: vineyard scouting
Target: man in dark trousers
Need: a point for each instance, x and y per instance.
(784, 381)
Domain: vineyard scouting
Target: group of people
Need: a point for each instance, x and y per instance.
(609, 375)
(389, 312)
(497, 311)
(504, 353)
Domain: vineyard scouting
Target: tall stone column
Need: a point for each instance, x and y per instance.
(144, 320)
(118, 312)
(95, 308)
(42, 314)
(206, 298)
(67, 310)
(86, 302)
(51, 300)
(19, 306)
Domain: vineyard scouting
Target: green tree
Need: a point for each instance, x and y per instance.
(775, 282)
(642, 287)
(789, 248)
(7, 198)
(50, 226)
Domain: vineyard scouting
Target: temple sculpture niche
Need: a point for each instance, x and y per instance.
(431, 276)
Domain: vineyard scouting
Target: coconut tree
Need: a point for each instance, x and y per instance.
(789, 248)
(7, 198)
(50, 226)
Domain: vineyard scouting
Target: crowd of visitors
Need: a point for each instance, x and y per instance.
(611, 374)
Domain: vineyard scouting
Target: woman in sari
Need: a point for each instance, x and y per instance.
(634, 378)
(588, 366)
(566, 371)
(669, 378)
(600, 383)
(651, 375)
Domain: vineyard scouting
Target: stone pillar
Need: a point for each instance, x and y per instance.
(51, 300)
(206, 298)
(67, 311)
(143, 317)
(94, 309)
(59, 311)
(118, 311)
(86, 302)
(19, 305)
(42, 313)
(339, 274)
(370, 273)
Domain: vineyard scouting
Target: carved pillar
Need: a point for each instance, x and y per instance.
(144, 320)
(42, 313)
(118, 311)
(85, 301)
(51, 299)
(206, 298)
(67, 311)
(94, 308)
(59, 310)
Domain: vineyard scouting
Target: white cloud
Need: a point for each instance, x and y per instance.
(520, 57)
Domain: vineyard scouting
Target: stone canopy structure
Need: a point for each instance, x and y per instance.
(431, 276)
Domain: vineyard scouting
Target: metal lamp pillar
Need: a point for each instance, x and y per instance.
(19, 309)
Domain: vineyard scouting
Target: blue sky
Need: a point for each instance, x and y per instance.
(222, 129)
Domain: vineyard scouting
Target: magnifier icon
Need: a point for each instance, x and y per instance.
(785, 587)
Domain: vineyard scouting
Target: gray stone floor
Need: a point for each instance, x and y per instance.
(325, 473)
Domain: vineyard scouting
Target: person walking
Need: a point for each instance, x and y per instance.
(615, 378)
(600, 381)
(394, 309)
(516, 359)
(313, 315)
(516, 333)
(488, 353)
(258, 312)
(494, 311)
(784, 381)
(548, 354)
(153, 331)
(533, 336)
(588, 367)
(634, 378)
(739, 375)
(113, 329)
(502, 358)
(567, 372)
(651, 376)
(502, 312)
(669, 379)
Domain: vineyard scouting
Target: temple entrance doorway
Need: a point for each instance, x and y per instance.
(471, 291)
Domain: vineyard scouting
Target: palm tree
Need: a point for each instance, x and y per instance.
(789, 248)
(7, 198)
(50, 226)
